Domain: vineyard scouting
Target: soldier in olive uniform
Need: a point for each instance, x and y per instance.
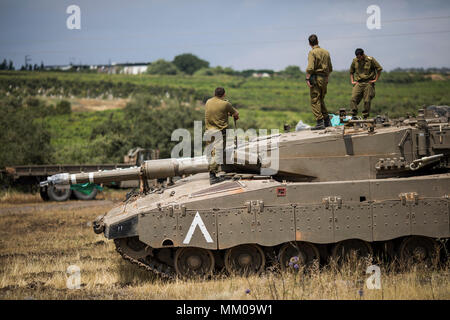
(217, 111)
(364, 72)
(317, 73)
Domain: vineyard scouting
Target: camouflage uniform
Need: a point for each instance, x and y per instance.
(217, 111)
(319, 67)
(363, 71)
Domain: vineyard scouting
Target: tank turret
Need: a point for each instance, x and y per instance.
(366, 187)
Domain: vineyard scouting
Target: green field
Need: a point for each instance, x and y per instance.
(159, 104)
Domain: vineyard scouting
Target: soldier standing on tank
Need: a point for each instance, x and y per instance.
(317, 73)
(217, 111)
(364, 72)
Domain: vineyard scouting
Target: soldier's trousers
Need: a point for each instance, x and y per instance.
(317, 94)
(361, 90)
(216, 150)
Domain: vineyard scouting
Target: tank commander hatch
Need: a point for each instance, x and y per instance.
(217, 111)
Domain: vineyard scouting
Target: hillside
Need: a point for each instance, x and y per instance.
(103, 115)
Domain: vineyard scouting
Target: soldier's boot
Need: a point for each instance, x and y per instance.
(319, 126)
(354, 114)
(214, 179)
(327, 121)
(365, 116)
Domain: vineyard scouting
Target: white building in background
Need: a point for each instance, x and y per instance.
(113, 68)
(134, 69)
(261, 75)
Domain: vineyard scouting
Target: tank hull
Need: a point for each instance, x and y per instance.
(269, 213)
(295, 198)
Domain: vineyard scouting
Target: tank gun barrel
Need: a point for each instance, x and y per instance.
(166, 168)
(151, 169)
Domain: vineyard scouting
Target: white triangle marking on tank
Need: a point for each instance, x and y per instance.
(197, 222)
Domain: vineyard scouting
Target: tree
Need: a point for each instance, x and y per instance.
(3, 65)
(25, 138)
(292, 72)
(189, 63)
(11, 65)
(162, 66)
(229, 71)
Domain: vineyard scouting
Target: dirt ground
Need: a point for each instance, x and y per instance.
(45, 244)
(91, 104)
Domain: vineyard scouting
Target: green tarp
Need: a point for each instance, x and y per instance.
(85, 188)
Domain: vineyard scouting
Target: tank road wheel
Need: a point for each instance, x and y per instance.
(417, 249)
(194, 262)
(293, 255)
(349, 249)
(82, 196)
(56, 194)
(245, 259)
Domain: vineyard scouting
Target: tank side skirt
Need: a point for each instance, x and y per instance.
(322, 213)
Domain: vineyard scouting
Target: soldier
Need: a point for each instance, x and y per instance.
(217, 111)
(317, 73)
(364, 72)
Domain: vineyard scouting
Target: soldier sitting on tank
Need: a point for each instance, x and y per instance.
(217, 111)
(364, 72)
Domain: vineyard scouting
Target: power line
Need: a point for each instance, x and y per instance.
(229, 30)
(237, 43)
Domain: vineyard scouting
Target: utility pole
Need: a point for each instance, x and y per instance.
(27, 59)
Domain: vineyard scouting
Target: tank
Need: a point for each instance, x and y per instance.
(375, 186)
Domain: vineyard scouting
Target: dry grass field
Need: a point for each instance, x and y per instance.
(39, 241)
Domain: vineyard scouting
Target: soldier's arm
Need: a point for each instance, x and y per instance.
(233, 112)
(330, 68)
(309, 68)
(352, 71)
(329, 63)
(377, 67)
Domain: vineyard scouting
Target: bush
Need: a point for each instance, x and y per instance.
(162, 66)
(63, 107)
(205, 72)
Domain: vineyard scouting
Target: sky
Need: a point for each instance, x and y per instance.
(246, 34)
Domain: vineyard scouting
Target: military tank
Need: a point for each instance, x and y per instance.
(369, 186)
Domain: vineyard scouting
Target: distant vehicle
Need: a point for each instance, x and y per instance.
(33, 174)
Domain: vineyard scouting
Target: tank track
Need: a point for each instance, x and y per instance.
(155, 267)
